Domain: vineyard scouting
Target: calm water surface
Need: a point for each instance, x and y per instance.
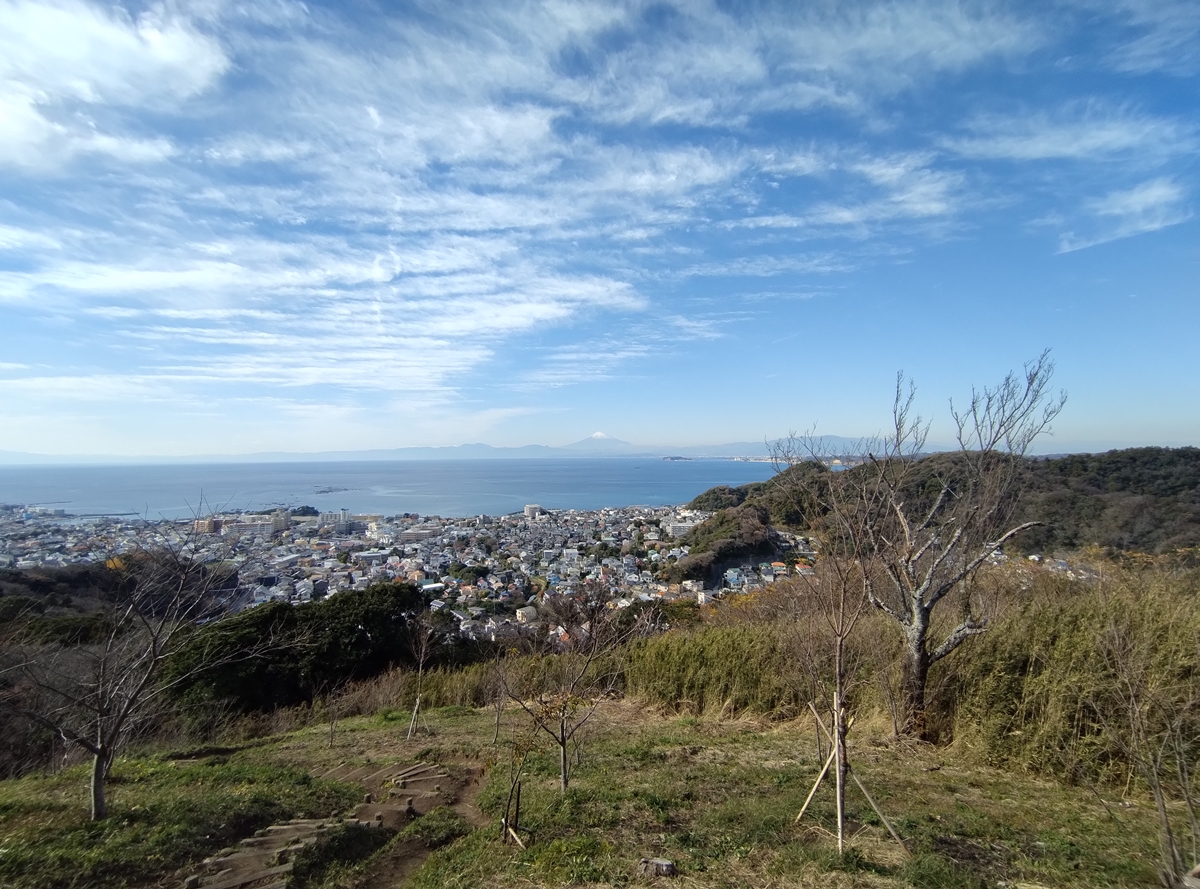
(428, 487)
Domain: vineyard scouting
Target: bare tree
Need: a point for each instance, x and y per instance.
(334, 699)
(98, 696)
(928, 524)
(423, 639)
(837, 591)
(838, 585)
(570, 681)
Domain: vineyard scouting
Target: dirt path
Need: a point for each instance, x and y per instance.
(394, 794)
(392, 869)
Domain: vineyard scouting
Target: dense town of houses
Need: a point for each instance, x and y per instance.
(489, 573)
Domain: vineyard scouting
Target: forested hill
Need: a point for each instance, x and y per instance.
(1141, 499)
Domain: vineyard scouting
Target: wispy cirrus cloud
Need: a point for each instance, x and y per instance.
(1164, 35)
(1153, 205)
(1090, 131)
(316, 205)
(709, 66)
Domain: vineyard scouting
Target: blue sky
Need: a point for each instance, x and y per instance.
(244, 226)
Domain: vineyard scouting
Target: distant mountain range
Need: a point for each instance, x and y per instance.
(595, 445)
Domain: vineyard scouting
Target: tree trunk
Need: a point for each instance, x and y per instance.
(842, 766)
(916, 677)
(564, 762)
(99, 775)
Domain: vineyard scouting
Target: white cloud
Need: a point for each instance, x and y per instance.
(1090, 132)
(894, 43)
(702, 65)
(584, 363)
(695, 328)
(877, 190)
(377, 207)
(1167, 32)
(1149, 198)
(14, 238)
(62, 63)
(1151, 206)
(74, 49)
(767, 266)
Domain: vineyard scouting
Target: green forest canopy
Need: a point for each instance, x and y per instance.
(1140, 499)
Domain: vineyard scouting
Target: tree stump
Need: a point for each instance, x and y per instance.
(656, 867)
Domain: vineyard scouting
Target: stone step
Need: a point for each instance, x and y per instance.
(352, 820)
(294, 830)
(300, 822)
(422, 778)
(285, 839)
(270, 841)
(288, 851)
(248, 878)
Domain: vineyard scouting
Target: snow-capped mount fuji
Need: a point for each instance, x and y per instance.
(601, 441)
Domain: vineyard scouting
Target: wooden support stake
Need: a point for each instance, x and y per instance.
(516, 839)
(849, 722)
(882, 817)
(816, 785)
(412, 725)
(861, 787)
(516, 822)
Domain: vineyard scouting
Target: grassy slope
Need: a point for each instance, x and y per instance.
(165, 815)
(718, 798)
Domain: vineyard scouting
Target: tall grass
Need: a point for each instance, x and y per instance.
(721, 670)
(1054, 686)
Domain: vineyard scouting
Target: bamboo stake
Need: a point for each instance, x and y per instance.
(412, 725)
(861, 787)
(816, 785)
(882, 817)
(849, 722)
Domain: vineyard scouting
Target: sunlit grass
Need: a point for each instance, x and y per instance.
(717, 797)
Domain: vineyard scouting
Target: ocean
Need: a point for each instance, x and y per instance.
(450, 488)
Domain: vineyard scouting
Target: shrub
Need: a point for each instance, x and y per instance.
(1048, 690)
(724, 669)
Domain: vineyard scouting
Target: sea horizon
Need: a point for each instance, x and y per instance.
(449, 488)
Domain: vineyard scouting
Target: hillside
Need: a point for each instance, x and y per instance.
(717, 797)
(733, 533)
(1141, 499)
(700, 750)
